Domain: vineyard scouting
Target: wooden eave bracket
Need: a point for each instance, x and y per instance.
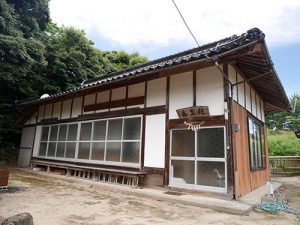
(253, 78)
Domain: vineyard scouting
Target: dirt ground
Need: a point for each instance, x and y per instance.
(51, 200)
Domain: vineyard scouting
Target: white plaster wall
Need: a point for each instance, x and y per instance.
(103, 97)
(181, 93)
(253, 101)
(89, 100)
(258, 107)
(56, 110)
(66, 110)
(77, 106)
(248, 99)
(262, 111)
(118, 94)
(155, 141)
(241, 91)
(33, 118)
(210, 90)
(156, 92)
(136, 90)
(37, 139)
(41, 113)
(27, 137)
(232, 78)
(48, 111)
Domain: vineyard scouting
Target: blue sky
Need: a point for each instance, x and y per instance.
(154, 28)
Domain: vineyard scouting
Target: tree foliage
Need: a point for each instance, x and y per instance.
(37, 57)
(286, 120)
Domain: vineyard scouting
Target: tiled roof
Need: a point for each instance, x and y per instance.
(195, 54)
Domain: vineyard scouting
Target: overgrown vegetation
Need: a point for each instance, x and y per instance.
(283, 143)
(37, 57)
(282, 140)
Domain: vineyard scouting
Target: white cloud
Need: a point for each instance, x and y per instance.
(156, 23)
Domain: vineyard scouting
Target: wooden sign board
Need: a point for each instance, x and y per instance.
(193, 111)
(297, 134)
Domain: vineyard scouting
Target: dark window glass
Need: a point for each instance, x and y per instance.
(98, 151)
(72, 133)
(132, 129)
(131, 152)
(183, 143)
(43, 149)
(51, 149)
(114, 129)
(257, 145)
(45, 132)
(211, 173)
(113, 151)
(99, 130)
(184, 171)
(84, 150)
(211, 143)
(70, 150)
(53, 133)
(86, 131)
(62, 132)
(60, 151)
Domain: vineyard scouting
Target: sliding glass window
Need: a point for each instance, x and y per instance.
(108, 141)
(257, 145)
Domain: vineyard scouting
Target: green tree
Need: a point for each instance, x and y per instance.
(286, 120)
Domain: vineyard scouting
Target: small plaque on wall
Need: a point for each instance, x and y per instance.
(193, 111)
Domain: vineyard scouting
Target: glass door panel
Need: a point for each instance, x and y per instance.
(183, 143)
(198, 159)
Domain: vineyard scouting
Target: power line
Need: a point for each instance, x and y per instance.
(185, 23)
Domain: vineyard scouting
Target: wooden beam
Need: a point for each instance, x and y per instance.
(252, 78)
(115, 104)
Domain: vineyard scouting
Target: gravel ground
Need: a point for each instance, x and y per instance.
(51, 200)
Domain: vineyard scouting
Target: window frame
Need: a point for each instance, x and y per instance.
(91, 141)
(262, 141)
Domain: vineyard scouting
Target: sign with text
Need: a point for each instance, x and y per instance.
(193, 111)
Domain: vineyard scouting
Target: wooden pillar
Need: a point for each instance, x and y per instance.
(228, 124)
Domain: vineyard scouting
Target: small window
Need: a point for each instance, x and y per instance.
(257, 145)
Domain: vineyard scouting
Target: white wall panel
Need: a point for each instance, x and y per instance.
(232, 78)
(37, 139)
(77, 106)
(27, 137)
(248, 98)
(262, 111)
(210, 90)
(118, 94)
(258, 107)
(41, 113)
(56, 110)
(66, 110)
(33, 118)
(103, 97)
(156, 92)
(155, 141)
(48, 111)
(89, 100)
(136, 90)
(253, 101)
(181, 93)
(241, 91)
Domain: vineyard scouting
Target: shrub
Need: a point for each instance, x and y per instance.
(283, 143)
